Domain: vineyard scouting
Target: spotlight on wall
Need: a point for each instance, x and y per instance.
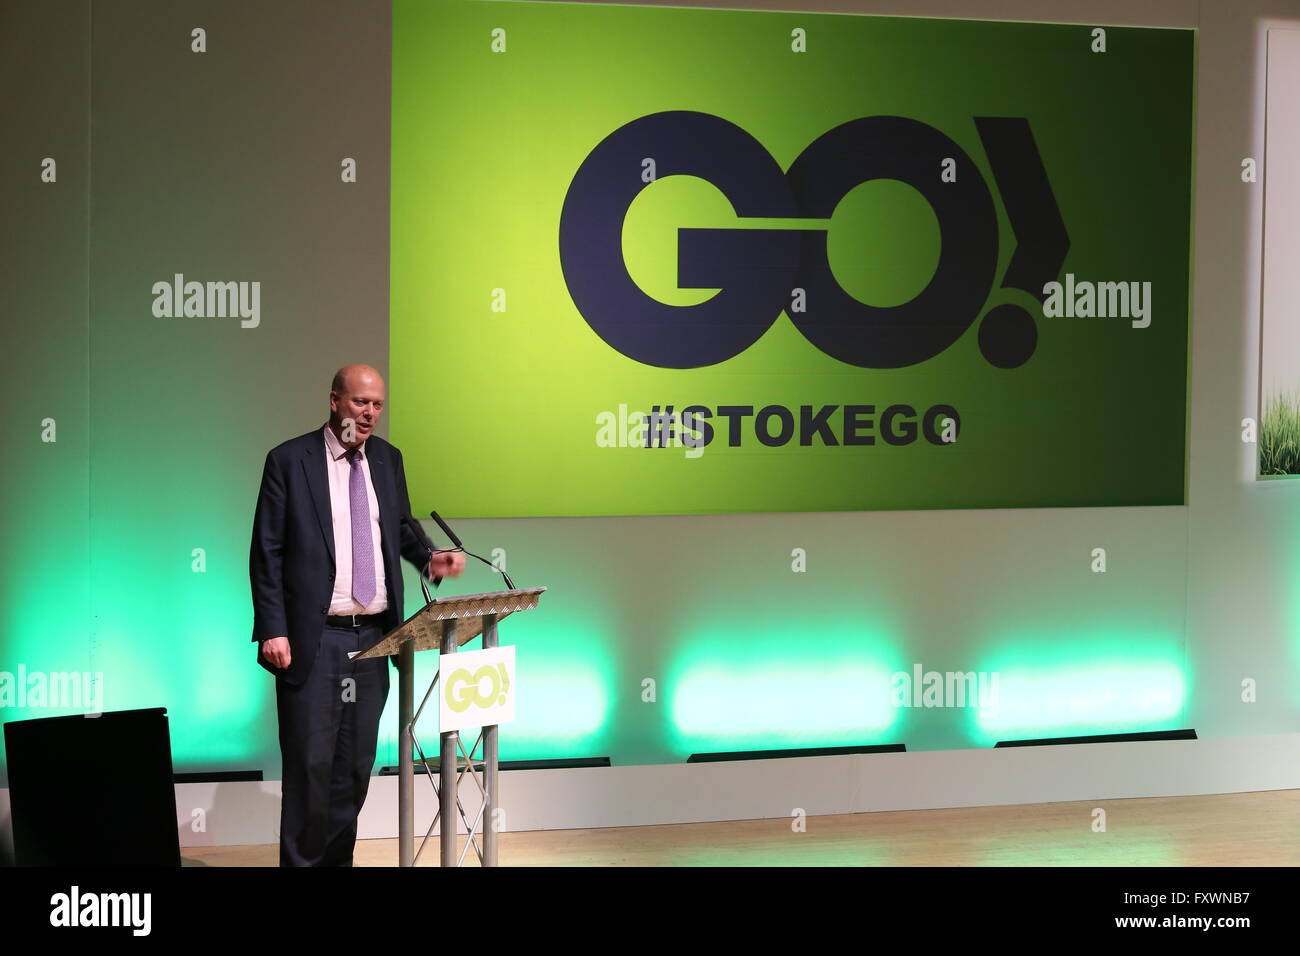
(794, 752)
(1189, 734)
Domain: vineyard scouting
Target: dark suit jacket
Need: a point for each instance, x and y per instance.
(291, 561)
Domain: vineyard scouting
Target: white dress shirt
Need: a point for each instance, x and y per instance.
(340, 471)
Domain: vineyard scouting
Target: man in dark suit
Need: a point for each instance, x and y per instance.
(326, 581)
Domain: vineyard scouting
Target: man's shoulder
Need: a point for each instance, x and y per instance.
(295, 446)
(384, 446)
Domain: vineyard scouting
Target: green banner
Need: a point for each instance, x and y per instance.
(664, 261)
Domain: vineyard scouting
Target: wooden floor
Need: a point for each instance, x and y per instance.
(1239, 829)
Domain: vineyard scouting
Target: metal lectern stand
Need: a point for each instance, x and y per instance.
(447, 624)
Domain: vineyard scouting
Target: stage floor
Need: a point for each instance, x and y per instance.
(1237, 829)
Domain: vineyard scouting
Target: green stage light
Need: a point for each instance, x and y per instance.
(738, 690)
(1080, 691)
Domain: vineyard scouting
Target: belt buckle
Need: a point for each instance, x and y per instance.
(354, 621)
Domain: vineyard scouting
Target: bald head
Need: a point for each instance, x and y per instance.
(350, 373)
(356, 399)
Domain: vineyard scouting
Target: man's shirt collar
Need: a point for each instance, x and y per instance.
(336, 448)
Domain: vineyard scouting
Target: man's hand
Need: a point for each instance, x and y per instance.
(446, 565)
(275, 651)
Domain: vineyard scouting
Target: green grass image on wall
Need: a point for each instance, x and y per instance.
(1279, 436)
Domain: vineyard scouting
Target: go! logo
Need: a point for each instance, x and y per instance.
(466, 690)
(758, 269)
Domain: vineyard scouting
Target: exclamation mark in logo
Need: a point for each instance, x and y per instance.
(1008, 334)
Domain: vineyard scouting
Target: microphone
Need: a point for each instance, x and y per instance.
(414, 525)
(460, 547)
(447, 531)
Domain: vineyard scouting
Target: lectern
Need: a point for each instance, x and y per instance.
(447, 624)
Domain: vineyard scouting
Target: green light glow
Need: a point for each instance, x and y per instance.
(564, 703)
(564, 683)
(755, 691)
(1078, 690)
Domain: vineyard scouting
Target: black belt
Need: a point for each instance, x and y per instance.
(352, 620)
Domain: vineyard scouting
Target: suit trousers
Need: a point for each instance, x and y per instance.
(329, 727)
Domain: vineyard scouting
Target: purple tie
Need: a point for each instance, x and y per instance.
(363, 554)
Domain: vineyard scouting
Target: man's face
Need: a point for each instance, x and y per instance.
(362, 401)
